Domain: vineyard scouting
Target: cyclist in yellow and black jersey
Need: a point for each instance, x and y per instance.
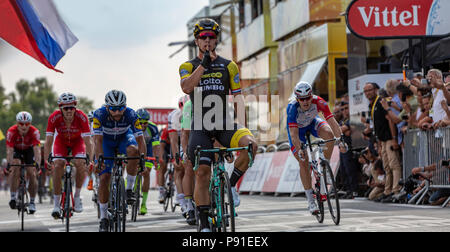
(209, 79)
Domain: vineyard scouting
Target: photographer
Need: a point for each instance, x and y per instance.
(383, 129)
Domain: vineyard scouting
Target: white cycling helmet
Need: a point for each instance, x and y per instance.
(24, 117)
(115, 98)
(91, 115)
(303, 89)
(67, 99)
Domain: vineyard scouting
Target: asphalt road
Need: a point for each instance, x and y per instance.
(257, 213)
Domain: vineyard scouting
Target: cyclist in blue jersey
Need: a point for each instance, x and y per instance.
(151, 136)
(116, 127)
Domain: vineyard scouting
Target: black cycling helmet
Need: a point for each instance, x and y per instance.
(206, 24)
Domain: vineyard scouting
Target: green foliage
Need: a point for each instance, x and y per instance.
(36, 97)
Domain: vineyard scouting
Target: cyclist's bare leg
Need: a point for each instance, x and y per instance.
(326, 133)
(80, 165)
(179, 175)
(103, 188)
(243, 160)
(146, 180)
(305, 171)
(132, 151)
(201, 191)
(32, 178)
(188, 179)
(58, 173)
(162, 171)
(14, 176)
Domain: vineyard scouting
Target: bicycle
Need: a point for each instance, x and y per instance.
(137, 190)
(325, 184)
(118, 207)
(23, 198)
(170, 186)
(222, 213)
(67, 200)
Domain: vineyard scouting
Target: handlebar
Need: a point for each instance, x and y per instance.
(223, 151)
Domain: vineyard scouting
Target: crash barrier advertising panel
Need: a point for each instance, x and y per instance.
(423, 148)
(386, 19)
(279, 173)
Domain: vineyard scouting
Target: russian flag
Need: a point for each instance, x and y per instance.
(35, 27)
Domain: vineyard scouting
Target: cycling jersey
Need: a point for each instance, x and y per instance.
(220, 79)
(78, 128)
(105, 125)
(307, 120)
(68, 137)
(187, 115)
(151, 136)
(15, 140)
(174, 119)
(296, 117)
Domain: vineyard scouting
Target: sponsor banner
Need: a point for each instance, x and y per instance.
(159, 116)
(275, 171)
(358, 102)
(261, 171)
(250, 175)
(291, 174)
(378, 19)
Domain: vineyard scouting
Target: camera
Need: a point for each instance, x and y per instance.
(405, 117)
(404, 98)
(382, 93)
(425, 81)
(389, 103)
(363, 114)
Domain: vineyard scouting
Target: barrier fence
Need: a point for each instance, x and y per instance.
(423, 148)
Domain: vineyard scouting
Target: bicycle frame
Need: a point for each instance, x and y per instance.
(23, 195)
(217, 172)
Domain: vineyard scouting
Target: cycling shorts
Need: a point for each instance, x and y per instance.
(61, 148)
(26, 155)
(120, 144)
(205, 139)
(314, 128)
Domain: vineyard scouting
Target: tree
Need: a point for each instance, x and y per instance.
(38, 98)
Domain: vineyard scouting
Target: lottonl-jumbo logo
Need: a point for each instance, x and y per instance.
(399, 19)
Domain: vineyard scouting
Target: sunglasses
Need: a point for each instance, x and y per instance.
(68, 108)
(205, 35)
(24, 124)
(116, 108)
(343, 109)
(305, 98)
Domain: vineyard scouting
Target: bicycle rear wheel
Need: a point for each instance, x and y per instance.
(122, 206)
(332, 195)
(227, 205)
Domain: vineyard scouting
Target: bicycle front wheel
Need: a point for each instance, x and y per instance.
(227, 205)
(67, 206)
(332, 195)
(137, 192)
(122, 206)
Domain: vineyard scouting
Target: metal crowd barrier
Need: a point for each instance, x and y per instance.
(423, 148)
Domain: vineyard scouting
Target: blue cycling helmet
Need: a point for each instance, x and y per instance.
(143, 114)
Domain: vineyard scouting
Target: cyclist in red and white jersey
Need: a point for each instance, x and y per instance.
(23, 143)
(73, 133)
(302, 116)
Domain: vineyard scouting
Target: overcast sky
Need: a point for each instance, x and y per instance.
(122, 45)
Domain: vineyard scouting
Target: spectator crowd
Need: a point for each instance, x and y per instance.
(419, 103)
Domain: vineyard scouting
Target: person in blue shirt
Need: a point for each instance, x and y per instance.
(151, 136)
(116, 127)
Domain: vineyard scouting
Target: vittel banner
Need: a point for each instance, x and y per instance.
(376, 19)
